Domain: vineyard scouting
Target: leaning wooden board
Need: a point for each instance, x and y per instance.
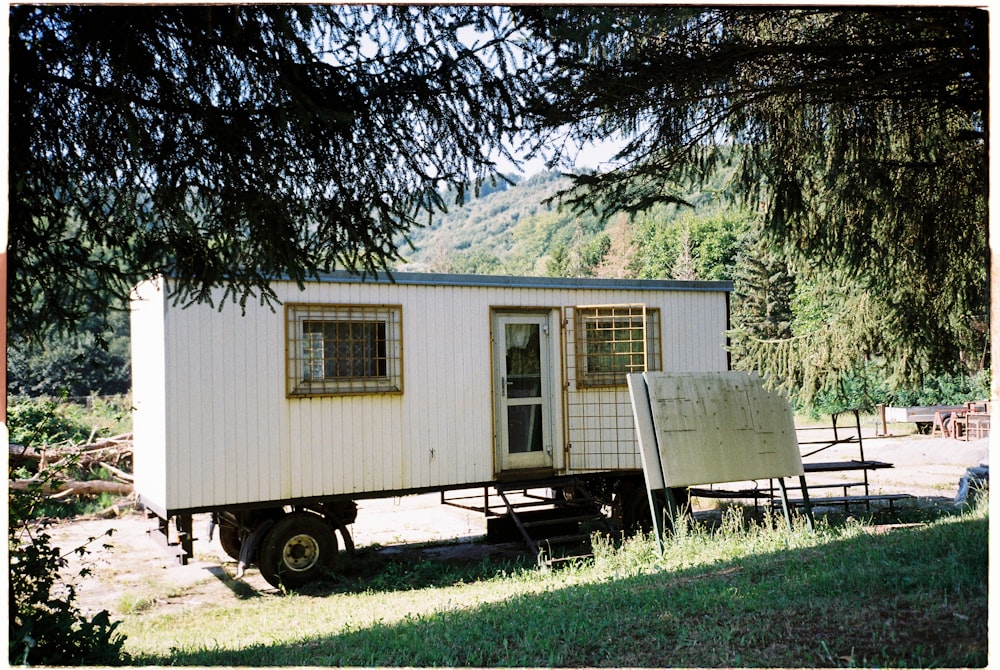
(716, 427)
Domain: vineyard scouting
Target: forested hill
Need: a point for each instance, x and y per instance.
(482, 235)
(512, 230)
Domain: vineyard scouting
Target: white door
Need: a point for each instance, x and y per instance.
(522, 390)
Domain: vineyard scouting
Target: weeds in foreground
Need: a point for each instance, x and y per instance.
(45, 625)
(741, 592)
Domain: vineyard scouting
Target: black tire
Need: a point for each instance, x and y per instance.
(633, 502)
(229, 534)
(298, 549)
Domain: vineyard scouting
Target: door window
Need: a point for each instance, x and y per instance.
(524, 409)
(524, 383)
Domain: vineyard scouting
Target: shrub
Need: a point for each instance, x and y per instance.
(865, 389)
(39, 422)
(945, 389)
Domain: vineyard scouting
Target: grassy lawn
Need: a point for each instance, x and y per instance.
(735, 595)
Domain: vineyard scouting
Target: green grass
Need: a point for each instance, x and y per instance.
(736, 595)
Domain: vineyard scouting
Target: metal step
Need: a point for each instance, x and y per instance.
(560, 521)
(531, 530)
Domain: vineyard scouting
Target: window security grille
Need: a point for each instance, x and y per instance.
(608, 342)
(344, 349)
(613, 341)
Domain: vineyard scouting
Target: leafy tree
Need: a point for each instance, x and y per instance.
(557, 262)
(476, 262)
(861, 136)
(594, 252)
(532, 237)
(707, 236)
(89, 360)
(234, 144)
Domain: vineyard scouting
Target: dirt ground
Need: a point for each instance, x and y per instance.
(136, 574)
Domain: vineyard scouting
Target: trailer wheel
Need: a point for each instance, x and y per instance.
(299, 548)
(229, 534)
(632, 501)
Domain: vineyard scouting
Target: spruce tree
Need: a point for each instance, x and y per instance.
(228, 145)
(859, 133)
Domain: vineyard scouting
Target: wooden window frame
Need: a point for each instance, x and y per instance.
(647, 357)
(339, 349)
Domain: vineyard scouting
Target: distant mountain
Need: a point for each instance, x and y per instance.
(514, 230)
(484, 226)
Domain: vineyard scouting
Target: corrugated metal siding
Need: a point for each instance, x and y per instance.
(234, 437)
(225, 377)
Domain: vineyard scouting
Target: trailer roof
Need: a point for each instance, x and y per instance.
(505, 281)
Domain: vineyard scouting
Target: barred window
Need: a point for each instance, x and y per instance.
(613, 341)
(344, 349)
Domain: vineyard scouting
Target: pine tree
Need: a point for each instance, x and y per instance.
(685, 267)
(617, 260)
(859, 133)
(232, 144)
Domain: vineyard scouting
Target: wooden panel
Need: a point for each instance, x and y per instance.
(646, 432)
(720, 427)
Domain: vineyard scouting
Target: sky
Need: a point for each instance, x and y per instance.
(594, 156)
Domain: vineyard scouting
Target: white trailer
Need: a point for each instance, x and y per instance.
(276, 419)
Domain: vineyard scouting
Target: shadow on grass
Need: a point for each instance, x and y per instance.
(374, 570)
(403, 568)
(240, 589)
(913, 597)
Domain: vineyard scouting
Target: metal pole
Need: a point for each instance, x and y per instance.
(784, 503)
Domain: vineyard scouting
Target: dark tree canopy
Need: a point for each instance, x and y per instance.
(229, 145)
(234, 144)
(859, 133)
(94, 359)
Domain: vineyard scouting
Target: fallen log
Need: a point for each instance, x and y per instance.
(74, 488)
(120, 508)
(18, 453)
(80, 456)
(115, 442)
(120, 474)
(95, 457)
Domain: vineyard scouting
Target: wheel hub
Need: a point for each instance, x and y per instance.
(300, 553)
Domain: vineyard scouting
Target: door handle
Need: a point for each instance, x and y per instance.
(504, 383)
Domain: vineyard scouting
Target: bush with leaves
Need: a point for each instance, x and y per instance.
(91, 359)
(944, 389)
(46, 626)
(43, 422)
(866, 387)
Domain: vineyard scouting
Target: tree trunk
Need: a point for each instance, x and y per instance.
(994, 275)
(63, 489)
